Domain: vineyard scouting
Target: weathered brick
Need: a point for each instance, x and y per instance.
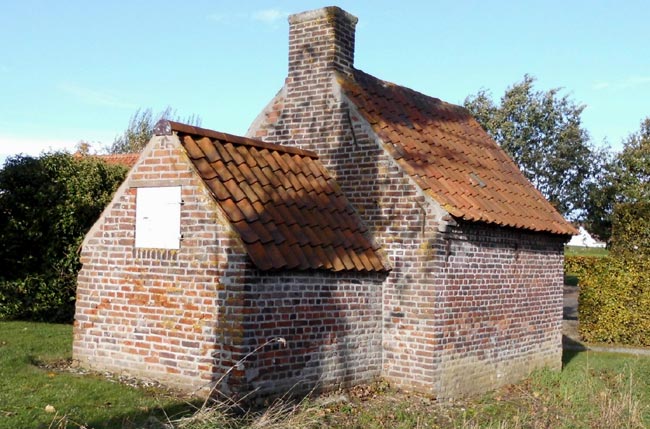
(465, 308)
(466, 294)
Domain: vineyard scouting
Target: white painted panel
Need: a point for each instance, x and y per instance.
(158, 217)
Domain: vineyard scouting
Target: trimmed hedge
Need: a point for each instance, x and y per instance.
(614, 302)
(47, 204)
(579, 264)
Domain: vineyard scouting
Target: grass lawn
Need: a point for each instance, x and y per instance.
(585, 251)
(27, 389)
(594, 390)
(571, 279)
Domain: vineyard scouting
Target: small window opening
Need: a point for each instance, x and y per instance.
(158, 217)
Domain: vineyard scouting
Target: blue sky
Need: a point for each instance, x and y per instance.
(77, 70)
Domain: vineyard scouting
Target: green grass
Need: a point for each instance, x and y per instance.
(585, 251)
(594, 390)
(571, 279)
(27, 389)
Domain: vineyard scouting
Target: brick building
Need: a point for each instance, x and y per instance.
(379, 231)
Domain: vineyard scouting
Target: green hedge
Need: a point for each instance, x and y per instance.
(47, 204)
(614, 301)
(578, 264)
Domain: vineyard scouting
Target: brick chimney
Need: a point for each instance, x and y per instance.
(312, 113)
(309, 113)
(320, 40)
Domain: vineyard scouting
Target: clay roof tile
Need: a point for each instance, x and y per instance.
(440, 146)
(210, 152)
(125, 159)
(288, 211)
(193, 150)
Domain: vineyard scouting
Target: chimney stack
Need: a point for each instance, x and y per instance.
(320, 41)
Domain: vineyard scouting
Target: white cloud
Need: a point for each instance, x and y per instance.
(637, 81)
(601, 85)
(267, 16)
(95, 97)
(34, 146)
(270, 16)
(627, 83)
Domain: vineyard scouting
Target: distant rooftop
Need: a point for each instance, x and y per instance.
(125, 159)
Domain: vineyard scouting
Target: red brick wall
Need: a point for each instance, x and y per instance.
(330, 321)
(483, 310)
(156, 313)
(185, 317)
(466, 307)
(500, 308)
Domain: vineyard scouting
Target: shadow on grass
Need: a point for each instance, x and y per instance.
(569, 313)
(152, 419)
(568, 353)
(570, 280)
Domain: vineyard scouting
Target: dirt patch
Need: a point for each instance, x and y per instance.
(71, 367)
(570, 335)
(570, 304)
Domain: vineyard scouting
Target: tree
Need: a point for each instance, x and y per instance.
(47, 204)
(625, 180)
(631, 231)
(542, 132)
(630, 171)
(140, 129)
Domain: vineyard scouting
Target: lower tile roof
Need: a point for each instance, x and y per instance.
(125, 159)
(289, 212)
(449, 155)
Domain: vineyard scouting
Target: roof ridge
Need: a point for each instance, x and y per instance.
(161, 128)
(127, 159)
(414, 91)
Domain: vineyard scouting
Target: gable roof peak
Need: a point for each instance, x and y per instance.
(451, 157)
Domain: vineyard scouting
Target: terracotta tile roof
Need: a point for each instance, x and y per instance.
(125, 159)
(287, 209)
(445, 150)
